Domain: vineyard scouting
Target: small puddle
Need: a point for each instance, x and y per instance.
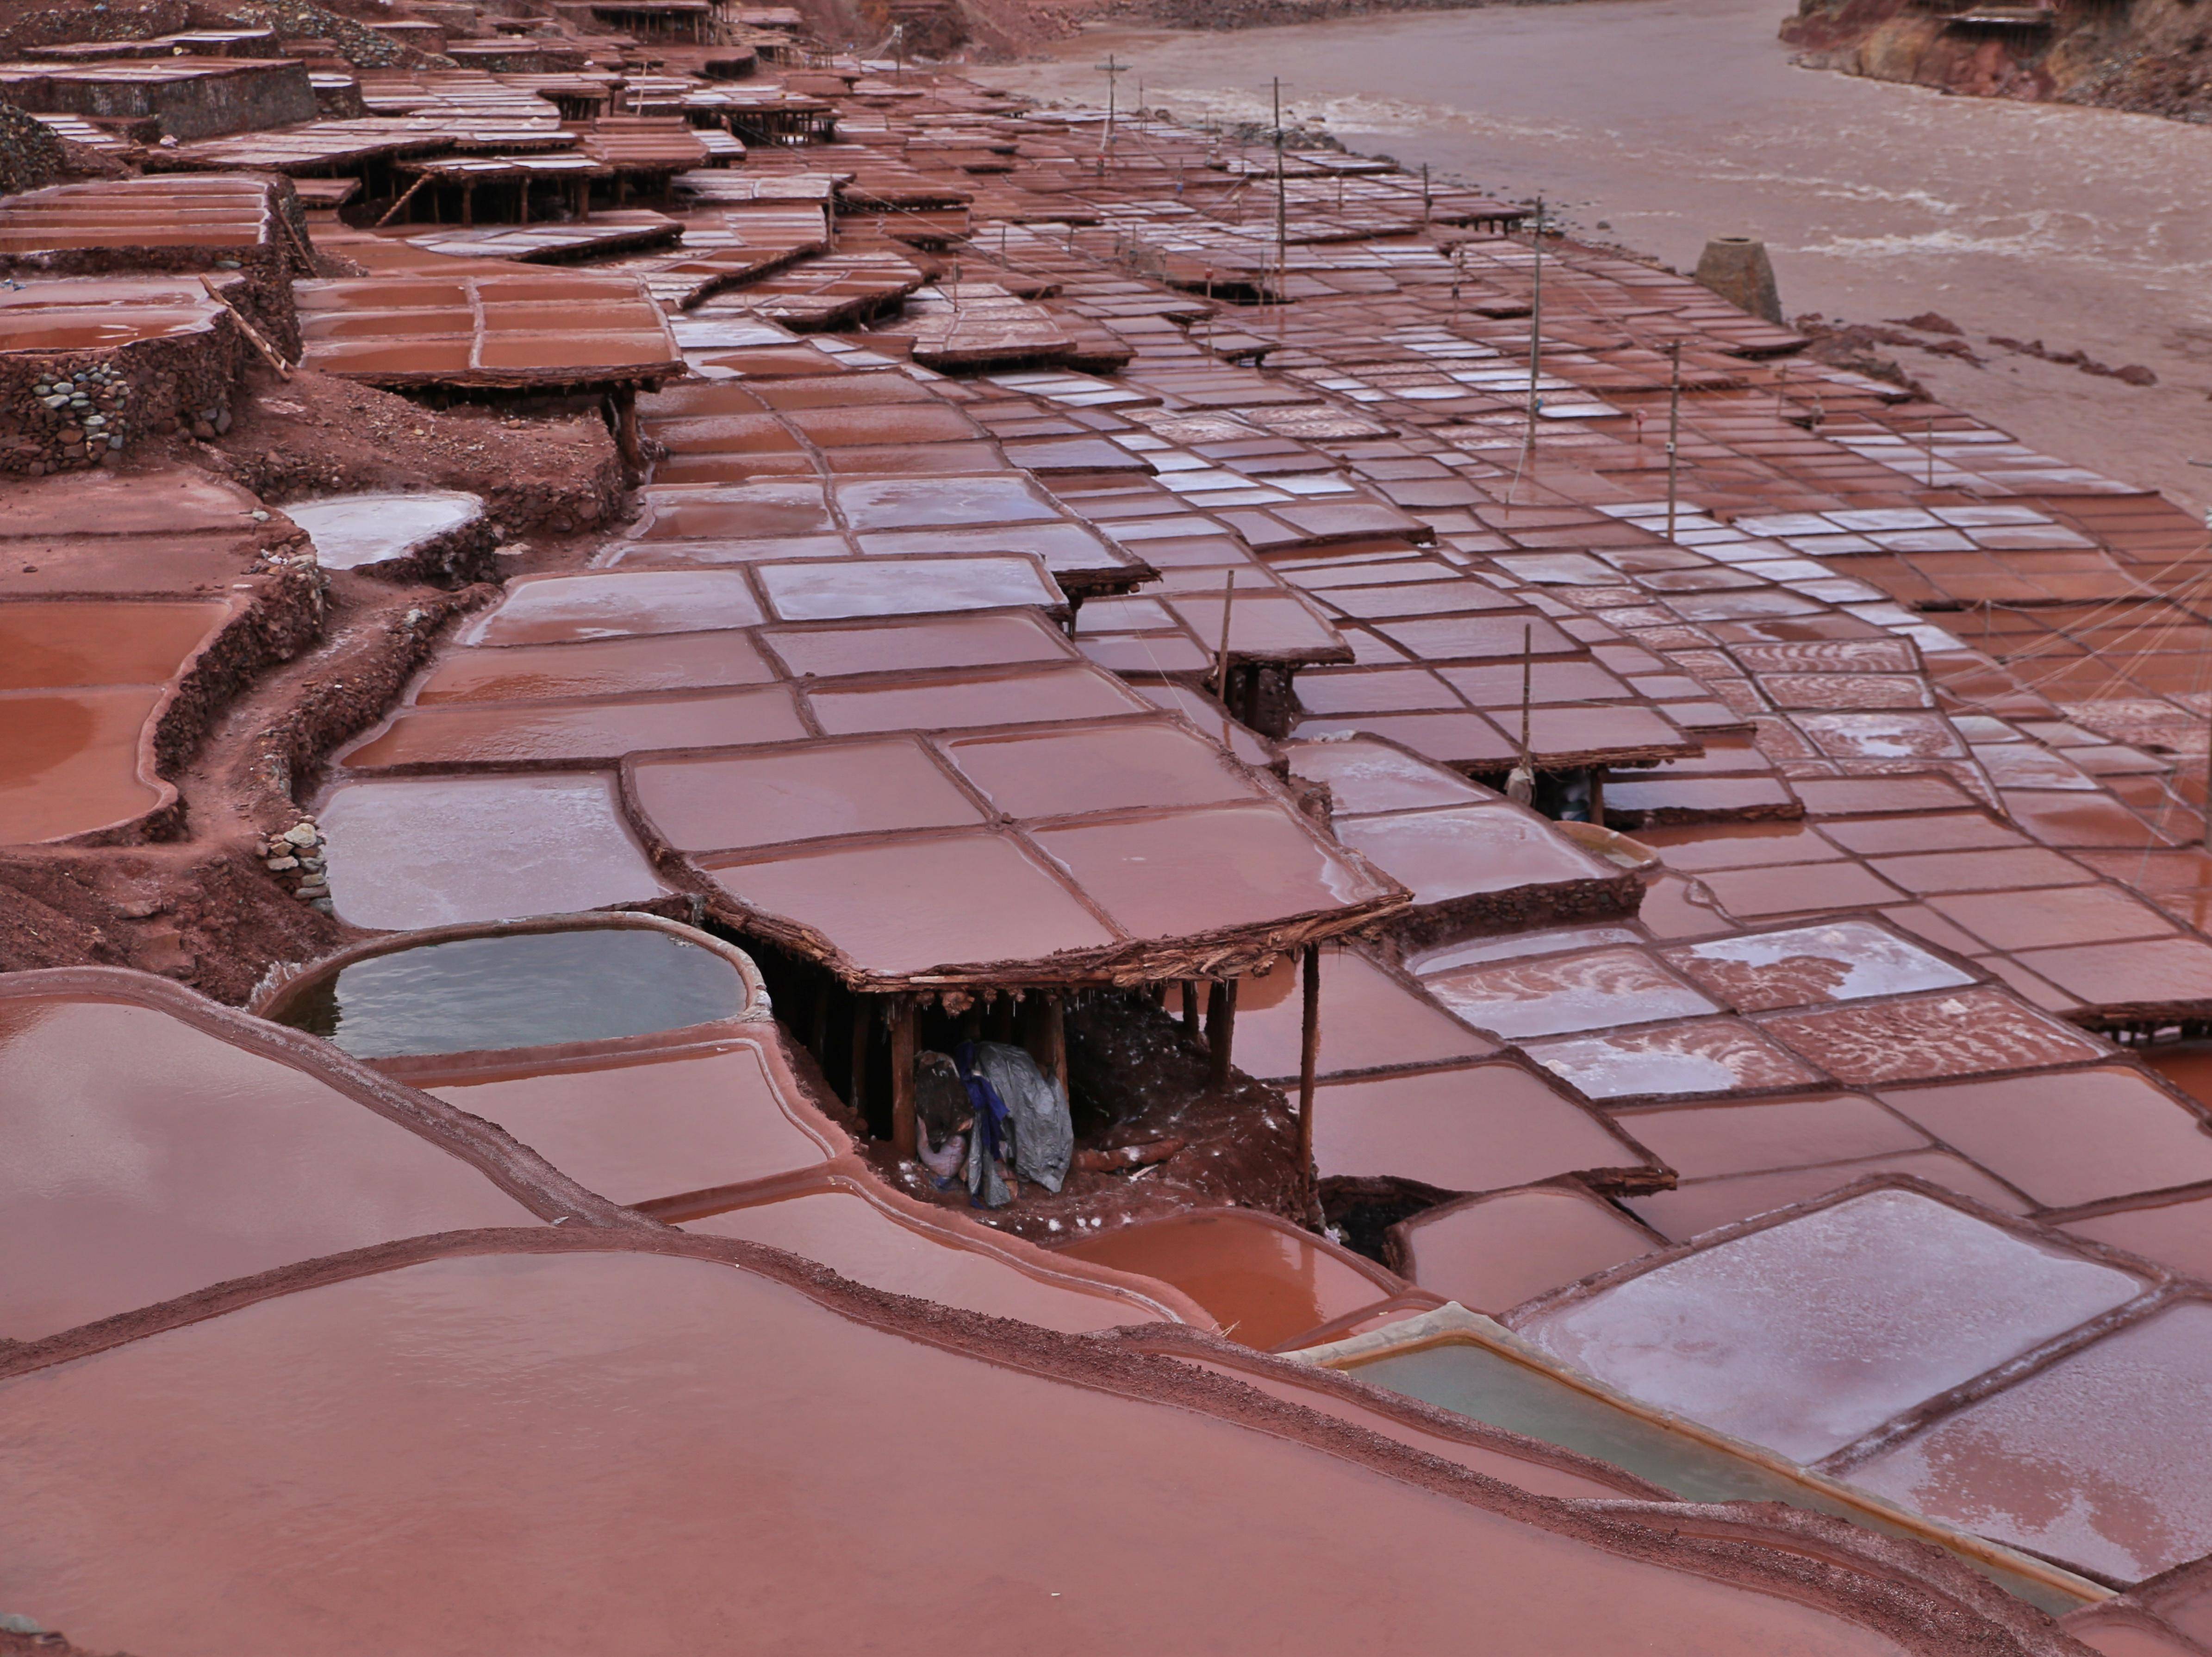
(517, 990)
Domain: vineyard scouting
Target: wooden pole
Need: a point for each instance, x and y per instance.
(903, 1124)
(626, 437)
(1674, 431)
(1221, 655)
(1221, 1032)
(1045, 1035)
(856, 1069)
(1535, 319)
(1190, 1007)
(1282, 205)
(1528, 685)
(392, 212)
(270, 354)
(1309, 1058)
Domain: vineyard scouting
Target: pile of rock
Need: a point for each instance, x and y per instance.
(82, 414)
(295, 858)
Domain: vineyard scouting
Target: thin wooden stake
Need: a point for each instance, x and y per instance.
(1309, 1059)
(393, 211)
(1674, 432)
(1221, 655)
(1282, 204)
(1528, 684)
(1535, 319)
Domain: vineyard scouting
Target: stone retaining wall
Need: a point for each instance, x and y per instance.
(67, 410)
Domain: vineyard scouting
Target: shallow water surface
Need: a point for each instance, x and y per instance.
(522, 990)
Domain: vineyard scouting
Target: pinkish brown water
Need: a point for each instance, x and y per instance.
(1674, 121)
(1263, 1282)
(148, 1157)
(628, 1453)
(839, 1222)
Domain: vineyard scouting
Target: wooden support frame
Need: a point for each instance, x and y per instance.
(902, 1047)
(392, 212)
(856, 1070)
(1309, 1055)
(1044, 1033)
(624, 400)
(1221, 1032)
(818, 1021)
(1189, 991)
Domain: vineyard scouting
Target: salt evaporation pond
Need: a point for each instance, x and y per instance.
(517, 990)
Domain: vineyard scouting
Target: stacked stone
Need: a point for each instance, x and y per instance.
(80, 419)
(295, 857)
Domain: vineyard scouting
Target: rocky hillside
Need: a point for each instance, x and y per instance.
(2152, 56)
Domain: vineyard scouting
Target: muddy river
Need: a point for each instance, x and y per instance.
(1657, 123)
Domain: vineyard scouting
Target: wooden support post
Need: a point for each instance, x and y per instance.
(626, 437)
(1045, 1035)
(468, 202)
(1190, 1007)
(1221, 1032)
(902, 1124)
(1221, 655)
(818, 1022)
(1309, 1058)
(856, 1068)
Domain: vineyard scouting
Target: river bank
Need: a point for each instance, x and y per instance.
(2068, 228)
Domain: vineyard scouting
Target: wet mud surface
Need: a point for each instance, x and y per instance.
(1136, 1081)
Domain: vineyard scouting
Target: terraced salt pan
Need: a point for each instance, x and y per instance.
(1493, 1253)
(2103, 1461)
(80, 683)
(648, 1123)
(1849, 961)
(843, 1221)
(419, 852)
(517, 990)
(1263, 1280)
(148, 1157)
(381, 526)
(188, 1491)
(1809, 1333)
